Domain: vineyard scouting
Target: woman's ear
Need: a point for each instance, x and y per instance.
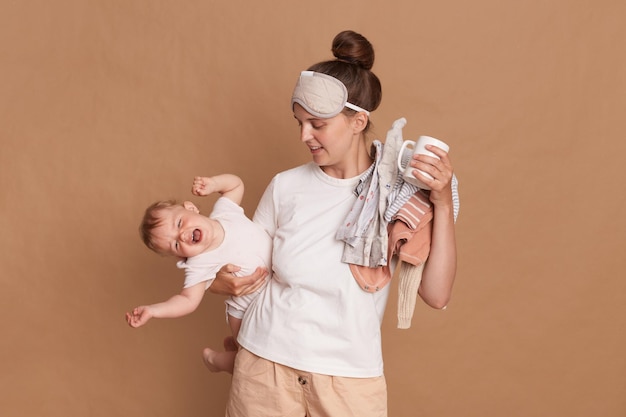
(359, 122)
(188, 205)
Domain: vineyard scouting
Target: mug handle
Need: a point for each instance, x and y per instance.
(404, 144)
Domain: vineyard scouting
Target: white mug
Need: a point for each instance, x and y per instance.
(418, 148)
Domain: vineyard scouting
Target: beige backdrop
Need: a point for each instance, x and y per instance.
(106, 106)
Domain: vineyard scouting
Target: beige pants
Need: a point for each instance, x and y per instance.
(261, 388)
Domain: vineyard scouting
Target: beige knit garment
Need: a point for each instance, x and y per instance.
(410, 277)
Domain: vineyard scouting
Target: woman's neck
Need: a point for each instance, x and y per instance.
(353, 166)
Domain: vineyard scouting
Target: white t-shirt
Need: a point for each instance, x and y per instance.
(312, 315)
(245, 244)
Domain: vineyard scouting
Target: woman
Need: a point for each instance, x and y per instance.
(311, 343)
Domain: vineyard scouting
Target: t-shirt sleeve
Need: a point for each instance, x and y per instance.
(195, 274)
(265, 214)
(225, 205)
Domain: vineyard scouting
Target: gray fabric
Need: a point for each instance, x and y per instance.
(365, 228)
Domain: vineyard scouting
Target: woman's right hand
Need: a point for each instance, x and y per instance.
(226, 283)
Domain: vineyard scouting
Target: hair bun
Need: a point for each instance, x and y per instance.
(354, 48)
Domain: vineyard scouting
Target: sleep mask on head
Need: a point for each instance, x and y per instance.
(321, 95)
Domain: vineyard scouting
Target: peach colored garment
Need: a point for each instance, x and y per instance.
(269, 389)
(409, 239)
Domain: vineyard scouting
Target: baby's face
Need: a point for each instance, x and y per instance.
(183, 232)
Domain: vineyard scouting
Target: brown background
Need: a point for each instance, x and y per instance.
(106, 106)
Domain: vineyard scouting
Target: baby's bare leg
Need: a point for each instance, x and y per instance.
(224, 361)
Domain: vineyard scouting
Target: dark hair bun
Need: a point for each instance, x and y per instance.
(354, 48)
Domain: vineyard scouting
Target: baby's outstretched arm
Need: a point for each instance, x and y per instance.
(177, 306)
(229, 185)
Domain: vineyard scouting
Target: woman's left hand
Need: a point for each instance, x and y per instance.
(441, 172)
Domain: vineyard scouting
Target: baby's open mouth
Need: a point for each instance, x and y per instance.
(196, 236)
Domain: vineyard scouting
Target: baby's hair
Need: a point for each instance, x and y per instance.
(152, 219)
(354, 60)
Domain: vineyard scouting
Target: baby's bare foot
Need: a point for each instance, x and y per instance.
(209, 357)
(220, 361)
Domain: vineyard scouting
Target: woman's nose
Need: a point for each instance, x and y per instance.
(305, 133)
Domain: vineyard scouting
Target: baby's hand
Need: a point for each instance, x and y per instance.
(203, 186)
(139, 316)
